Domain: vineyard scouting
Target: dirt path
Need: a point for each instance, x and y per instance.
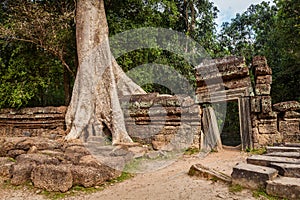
(169, 183)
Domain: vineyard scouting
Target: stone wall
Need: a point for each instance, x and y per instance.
(271, 124)
(38, 121)
(165, 121)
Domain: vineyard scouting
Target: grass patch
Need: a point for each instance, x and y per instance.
(191, 151)
(124, 176)
(235, 188)
(259, 151)
(262, 193)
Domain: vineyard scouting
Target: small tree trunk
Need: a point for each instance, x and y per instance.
(67, 88)
(95, 94)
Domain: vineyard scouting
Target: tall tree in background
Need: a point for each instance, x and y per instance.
(47, 28)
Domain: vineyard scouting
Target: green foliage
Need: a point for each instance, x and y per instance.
(259, 193)
(29, 77)
(191, 151)
(259, 151)
(235, 188)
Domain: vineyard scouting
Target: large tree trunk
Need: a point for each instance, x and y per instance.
(95, 101)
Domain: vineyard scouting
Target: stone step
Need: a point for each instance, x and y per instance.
(288, 170)
(292, 144)
(284, 154)
(283, 149)
(284, 187)
(252, 176)
(267, 160)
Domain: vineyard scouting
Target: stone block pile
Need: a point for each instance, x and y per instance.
(264, 119)
(50, 164)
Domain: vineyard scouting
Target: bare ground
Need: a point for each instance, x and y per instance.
(171, 182)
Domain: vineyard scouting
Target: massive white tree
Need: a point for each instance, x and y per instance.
(99, 80)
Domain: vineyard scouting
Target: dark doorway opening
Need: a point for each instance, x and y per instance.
(230, 134)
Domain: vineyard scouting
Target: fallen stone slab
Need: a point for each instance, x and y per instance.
(284, 154)
(52, 177)
(282, 149)
(204, 172)
(288, 170)
(267, 160)
(252, 176)
(284, 187)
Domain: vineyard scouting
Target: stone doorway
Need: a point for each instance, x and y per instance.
(230, 132)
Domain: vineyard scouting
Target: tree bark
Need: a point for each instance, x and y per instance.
(95, 100)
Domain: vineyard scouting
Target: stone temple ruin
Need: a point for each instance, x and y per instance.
(32, 146)
(165, 121)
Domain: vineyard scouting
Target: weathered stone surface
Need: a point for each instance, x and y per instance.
(252, 176)
(284, 154)
(255, 135)
(262, 89)
(290, 127)
(269, 115)
(6, 164)
(259, 60)
(52, 177)
(15, 152)
(267, 126)
(289, 144)
(228, 68)
(256, 104)
(39, 143)
(89, 176)
(266, 104)
(267, 160)
(287, 106)
(291, 115)
(21, 172)
(288, 170)
(37, 159)
(53, 153)
(31, 121)
(284, 187)
(8, 144)
(282, 149)
(270, 139)
(237, 83)
(267, 79)
(204, 172)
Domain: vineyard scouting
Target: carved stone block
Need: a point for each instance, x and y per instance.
(266, 104)
(290, 127)
(266, 79)
(262, 89)
(267, 126)
(255, 104)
